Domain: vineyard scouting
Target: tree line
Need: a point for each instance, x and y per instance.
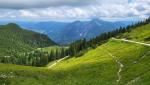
(37, 58)
(40, 58)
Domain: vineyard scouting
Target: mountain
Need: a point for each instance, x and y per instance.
(51, 29)
(89, 29)
(117, 62)
(67, 32)
(43, 27)
(13, 38)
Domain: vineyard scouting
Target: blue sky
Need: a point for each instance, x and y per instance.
(74, 9)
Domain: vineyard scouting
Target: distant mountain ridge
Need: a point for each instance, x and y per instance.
(67, 32)
(87, 29)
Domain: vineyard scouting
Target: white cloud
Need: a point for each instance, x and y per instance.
(27, 14)
(19, 4)
(84, 10)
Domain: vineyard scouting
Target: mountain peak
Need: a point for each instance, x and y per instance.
(13, 25)
(97, 20)
(77, 22)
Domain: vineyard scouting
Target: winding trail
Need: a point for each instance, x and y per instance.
(58, 62)
(119, 64)
(120, 67)
(125, 40)
(133, 81)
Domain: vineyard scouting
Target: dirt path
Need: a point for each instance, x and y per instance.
(119, 64)
(133, 81)
(120, 67)
(132, 41)
(57, 62)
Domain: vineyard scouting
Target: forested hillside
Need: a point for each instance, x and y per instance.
(17, 45)
(13, 38)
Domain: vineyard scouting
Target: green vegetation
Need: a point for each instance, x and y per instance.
(141, 33)
(15, 39)
(95, 67)
(52, 48)
(114, 62)
(14, 74)
(17, 46)
(101, 66)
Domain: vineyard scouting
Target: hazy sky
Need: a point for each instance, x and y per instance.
(73, 9)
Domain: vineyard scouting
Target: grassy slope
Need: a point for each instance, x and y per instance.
(96, 67)
(12, 37)
(141, 34)
(22, 75)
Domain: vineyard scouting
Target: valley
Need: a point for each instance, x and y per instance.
(119, 57)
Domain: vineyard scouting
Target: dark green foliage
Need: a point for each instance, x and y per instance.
(34, 58)
(17, 45)
(13, 38)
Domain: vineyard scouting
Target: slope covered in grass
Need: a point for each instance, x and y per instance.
(22, 75)
(13, 38)
(141, 33)
(96, 67)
